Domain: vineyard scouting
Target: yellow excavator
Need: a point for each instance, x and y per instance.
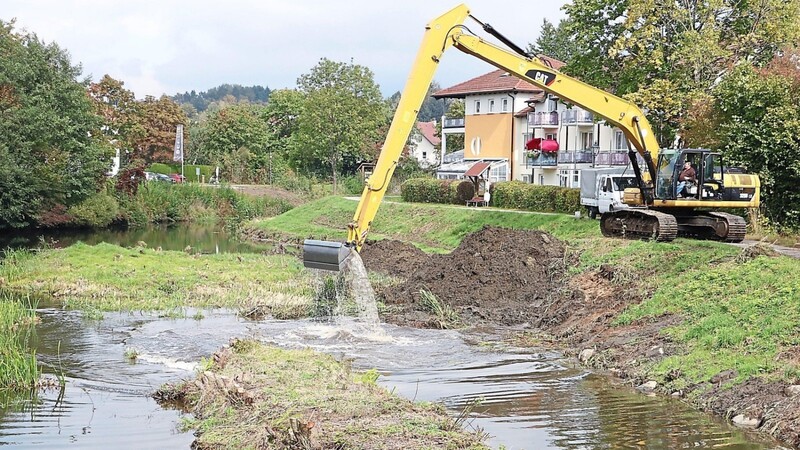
(656, 210)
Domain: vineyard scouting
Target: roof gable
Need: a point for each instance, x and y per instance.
(428, 130)
(496, 81)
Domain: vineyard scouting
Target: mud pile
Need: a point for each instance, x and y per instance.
(496, 275)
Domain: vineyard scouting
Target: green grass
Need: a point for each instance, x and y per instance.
(106, 277)
(281, 387)
(434, 228)
(737, 316)
(18, 368)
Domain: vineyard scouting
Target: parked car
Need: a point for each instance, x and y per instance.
(178, 178)
(163, 178)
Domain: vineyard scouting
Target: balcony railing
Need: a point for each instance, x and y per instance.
(538, 119)
(613, 158)
(544, 159)
(577, 116)
(453, 123)
(575, 157)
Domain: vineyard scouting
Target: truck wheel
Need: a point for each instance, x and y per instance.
(592, 212)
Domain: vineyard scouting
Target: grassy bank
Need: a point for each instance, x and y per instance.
(734, 311)
(435, 228)
(255, 396)
(18, 368)
(108, 277)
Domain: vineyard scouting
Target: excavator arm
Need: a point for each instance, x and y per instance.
(448, 30)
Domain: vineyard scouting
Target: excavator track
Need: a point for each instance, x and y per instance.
(639, 224)
(718, 226)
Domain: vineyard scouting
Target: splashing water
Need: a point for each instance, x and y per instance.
(347, 295)
(361, 289)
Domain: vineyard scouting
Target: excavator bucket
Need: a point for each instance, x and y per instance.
(325, 255)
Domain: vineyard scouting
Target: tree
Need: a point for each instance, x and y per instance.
(51, 155)
(158, 121)
(118, 109)
(342, 111)
(758, 117)
(237, 136)
(432, 108)
(626, 45)
(554, 42)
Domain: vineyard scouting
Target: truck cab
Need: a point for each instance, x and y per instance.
(602, 190)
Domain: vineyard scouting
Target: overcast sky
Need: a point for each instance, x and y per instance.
(171, 46)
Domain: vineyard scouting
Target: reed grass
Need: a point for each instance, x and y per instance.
(18, 367)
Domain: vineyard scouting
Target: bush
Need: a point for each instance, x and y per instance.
(531, 197)
(97, 211)
(429, 190)
(351, 185)
(465, 191)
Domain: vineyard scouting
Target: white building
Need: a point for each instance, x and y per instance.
(503, 113)
(424, 144)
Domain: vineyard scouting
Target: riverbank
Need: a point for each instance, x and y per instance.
(707, 322)
(251, 395)
(107, 277)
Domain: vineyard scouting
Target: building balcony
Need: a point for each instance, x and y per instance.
(543, 160)
(612, 158)
(577, 117)
(543, 119)
(453, 123)
(579, 157)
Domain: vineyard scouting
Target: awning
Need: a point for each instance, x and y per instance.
(477, 169)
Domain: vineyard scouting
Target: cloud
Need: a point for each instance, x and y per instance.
(162, 46)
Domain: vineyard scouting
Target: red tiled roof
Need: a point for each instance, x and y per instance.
(495, 81)
(477, 169)
(428, 129)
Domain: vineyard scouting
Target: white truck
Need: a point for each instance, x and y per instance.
(602, 189)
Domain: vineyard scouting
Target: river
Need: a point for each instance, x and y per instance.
(523, 398)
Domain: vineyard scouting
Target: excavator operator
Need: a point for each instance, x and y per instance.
(686, 178)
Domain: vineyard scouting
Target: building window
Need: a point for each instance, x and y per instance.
(587, 140)
(424, 155)
(541, 179)
(552, 104)
(477, 106)
(620, 143)
(505, 104)
(491, 105)
(575, 177)
(550, 136)
(498, 173)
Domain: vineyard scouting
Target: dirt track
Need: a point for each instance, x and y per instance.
(515, 277)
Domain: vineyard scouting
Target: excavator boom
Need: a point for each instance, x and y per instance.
(447, 31)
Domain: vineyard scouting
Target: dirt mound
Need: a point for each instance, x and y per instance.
(496, 275)
(392, 257)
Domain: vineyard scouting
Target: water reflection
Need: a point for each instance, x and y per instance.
(205, 238)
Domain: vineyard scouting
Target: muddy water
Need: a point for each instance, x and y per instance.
(528, 400)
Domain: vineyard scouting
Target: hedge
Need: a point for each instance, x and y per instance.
(429, 190)
(532, 197)
(189, 170)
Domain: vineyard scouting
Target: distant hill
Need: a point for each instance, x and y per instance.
(200, 101)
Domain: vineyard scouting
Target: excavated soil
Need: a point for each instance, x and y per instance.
(496, 275)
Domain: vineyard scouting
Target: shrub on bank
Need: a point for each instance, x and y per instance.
(97, 211)
(160, 202)
(532, 197)
(429, 190)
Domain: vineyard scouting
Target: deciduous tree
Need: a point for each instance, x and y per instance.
(49, 155)
(342, 111)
